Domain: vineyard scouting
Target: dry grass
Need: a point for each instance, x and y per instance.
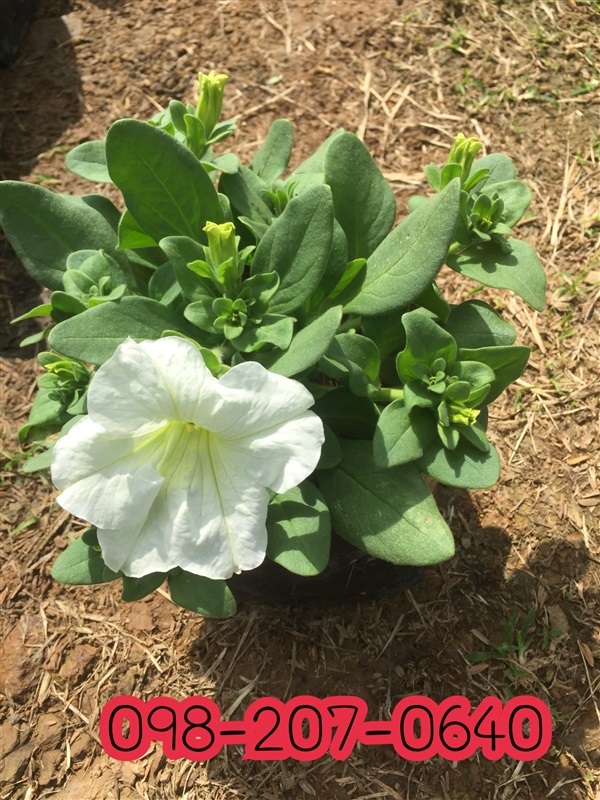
(406, 77)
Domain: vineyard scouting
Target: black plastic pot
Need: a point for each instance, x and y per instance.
(351, 574)
(15, 16)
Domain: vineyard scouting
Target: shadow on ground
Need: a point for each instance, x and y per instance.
(423, 641)
(41, 98)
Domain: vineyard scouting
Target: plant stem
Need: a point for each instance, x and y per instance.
(352, 322)
(456, 248)
(386, 395)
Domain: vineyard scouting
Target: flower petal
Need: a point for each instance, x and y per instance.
(280, 456)
(214, 528)
(140, 549)
(172, 466)
(194, 390)
(105, 481)
(143, 384)
(255, 399)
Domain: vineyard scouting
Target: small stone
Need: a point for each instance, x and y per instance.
(50, 760)
(9, 738)
(48, 732)
(80, 747)
(74, 25)
(16, 763)
(16, 676)
(558, 619)
(78, 662)
(140, 618)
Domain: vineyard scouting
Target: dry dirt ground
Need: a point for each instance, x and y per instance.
(406, 76)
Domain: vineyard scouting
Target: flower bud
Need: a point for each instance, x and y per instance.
(210, 99)
(221, 242)
(461, 415)
(463, 152)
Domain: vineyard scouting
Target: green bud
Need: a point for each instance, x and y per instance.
(221, 242)
(461, 415)
(280, 196)
(69, 371)
(463, 152)
(222, 307)
(210, 99)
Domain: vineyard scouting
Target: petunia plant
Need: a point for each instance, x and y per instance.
(244, 359)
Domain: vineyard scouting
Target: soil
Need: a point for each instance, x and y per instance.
(406, 76)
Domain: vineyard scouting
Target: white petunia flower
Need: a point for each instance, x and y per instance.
(172, 465)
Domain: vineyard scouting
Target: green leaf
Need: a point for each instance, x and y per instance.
(165, 187)
(131, 234)
(274, 154)
(299, 530)
(466, 467)
(433, 300)
(222, 130)
(363, 201)
(476, 436)
(297, 247)
(335, 268)
(347, 414)
(386, 330)
(475, 373)
(256, 227)
(350, 281)
(518, 269)
(500, 166)
(44, 228)
(244, 190)
(434, 176)
(137, 588)
(261, 287)
(507, 363)
(448, 435)
(81, 563)
(409, 258)
(42, 310)
(311, 172)
(203, 595)
(163, 285)
(66, 305)
(77, 283)
(426, 341)
(38, 462)
(89, 161)
(416, 201)
(34, 338)
(390, 513)
(516, 197)
(331, 452)
(476, 324)
(97, 264)
(309, 344)
(200, 313)
(181, 251)
(195, 134)
(355, 357)
(226, 162)
(417, 395)
(105, 207)
(401, 437)
(177, 112)
(274, 329)
(47, 414)
(95, 335)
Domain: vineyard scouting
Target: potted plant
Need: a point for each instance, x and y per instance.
(242, 361)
